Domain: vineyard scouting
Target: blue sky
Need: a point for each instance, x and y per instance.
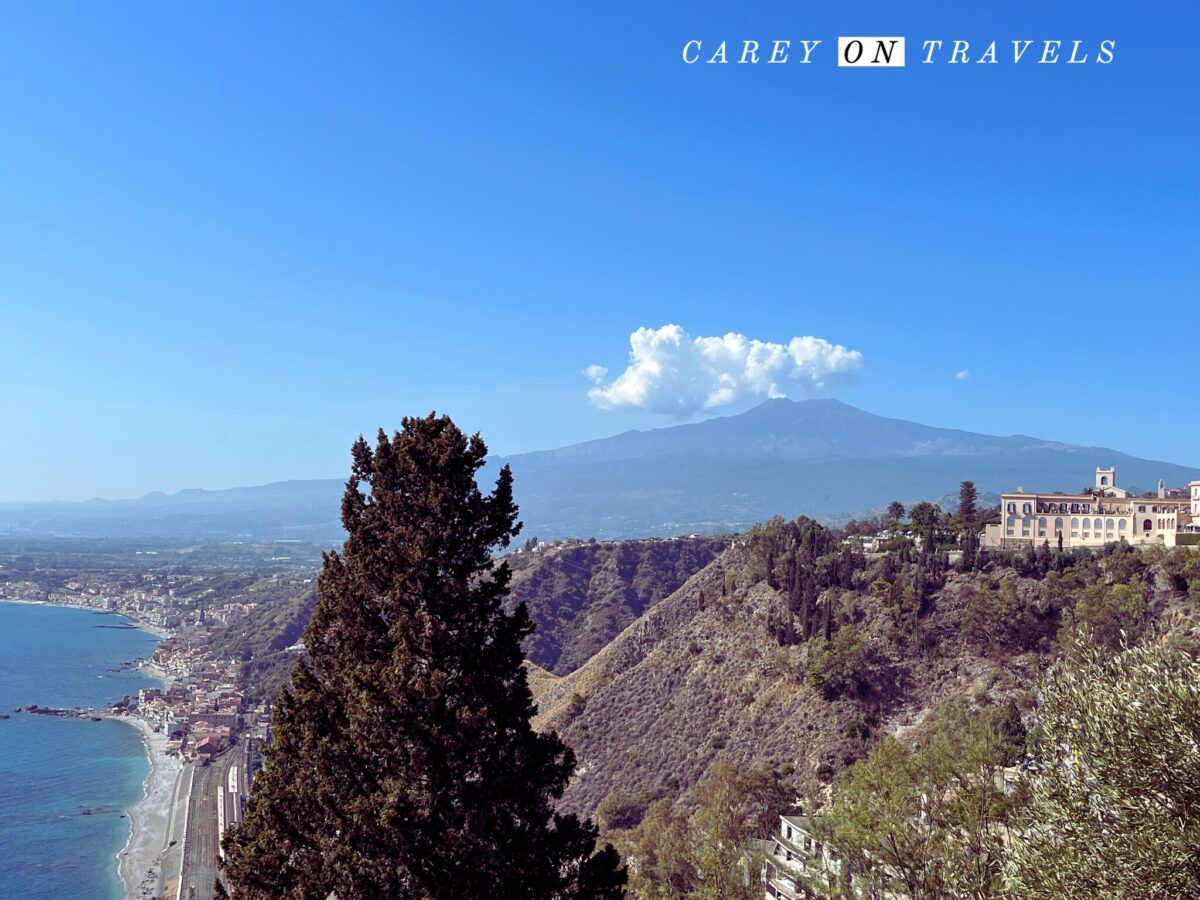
(232, 238)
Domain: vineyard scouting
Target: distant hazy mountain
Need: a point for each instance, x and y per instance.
(817, 457)
(286, 510)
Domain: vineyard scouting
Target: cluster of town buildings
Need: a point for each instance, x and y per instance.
(201, 709)
(160, 600)
(1104, 514)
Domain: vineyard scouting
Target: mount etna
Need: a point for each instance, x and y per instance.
(821, 458)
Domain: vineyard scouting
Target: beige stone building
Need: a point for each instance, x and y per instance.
(1100, 516)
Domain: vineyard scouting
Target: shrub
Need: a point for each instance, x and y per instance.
(1110, 611)
(843, 665)
(620, 809)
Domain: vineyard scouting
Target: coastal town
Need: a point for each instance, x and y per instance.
(202, 729)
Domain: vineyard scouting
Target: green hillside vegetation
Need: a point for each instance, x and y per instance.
(794, 651)
(262, 637)
(787, 668)
(581, 596)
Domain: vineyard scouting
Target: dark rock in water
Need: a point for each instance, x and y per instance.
(97, 719)
(31, 707)
(2, 717)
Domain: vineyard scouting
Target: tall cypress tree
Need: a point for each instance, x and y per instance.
(967, 515)
(403, 763)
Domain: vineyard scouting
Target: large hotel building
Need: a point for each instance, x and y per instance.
(1104, 514)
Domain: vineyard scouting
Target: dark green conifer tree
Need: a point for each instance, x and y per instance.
(403, 763)
(967, 514)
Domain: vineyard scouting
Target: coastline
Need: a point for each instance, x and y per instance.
(156, 630)
(139, 863)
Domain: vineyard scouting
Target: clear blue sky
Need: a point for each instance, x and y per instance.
(233, 236)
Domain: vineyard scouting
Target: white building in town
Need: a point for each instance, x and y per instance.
(1102, 515)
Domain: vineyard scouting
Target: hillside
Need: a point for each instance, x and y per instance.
(820, 458)
(262, 637)
(721, 671)
(581, 596)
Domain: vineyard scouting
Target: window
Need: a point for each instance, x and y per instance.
(1109, 525)
(1147, 525)
(1012, 507)
(1042, 523)
(1122, 525)
(1074, 525)
(1026, 508)
(1058, 525)
(1087, 524)
(1104, 481)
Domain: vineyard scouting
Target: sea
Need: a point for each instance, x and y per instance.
(65, 784)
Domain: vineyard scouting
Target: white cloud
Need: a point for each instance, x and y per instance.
(595, 374)
(962, 374)
(671, 372)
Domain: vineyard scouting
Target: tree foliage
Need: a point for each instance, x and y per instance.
(967, 516)
(932, 822)
(403, 764)
(843, 665)
(1115, 811)
(699, 852)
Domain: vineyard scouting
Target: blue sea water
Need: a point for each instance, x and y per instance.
(53, 770)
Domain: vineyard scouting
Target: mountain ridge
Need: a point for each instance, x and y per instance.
(822, 458)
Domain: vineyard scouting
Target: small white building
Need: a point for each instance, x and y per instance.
(798, 866)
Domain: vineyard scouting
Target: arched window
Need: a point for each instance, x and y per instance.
(1147, 525)
(1042, 523)
(1109, 525)
(1074, 523)
(1058, 524)
(1122, 525)
(1087, 524)
(1104, 481)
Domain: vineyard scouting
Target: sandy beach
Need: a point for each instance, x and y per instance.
(139, 862)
